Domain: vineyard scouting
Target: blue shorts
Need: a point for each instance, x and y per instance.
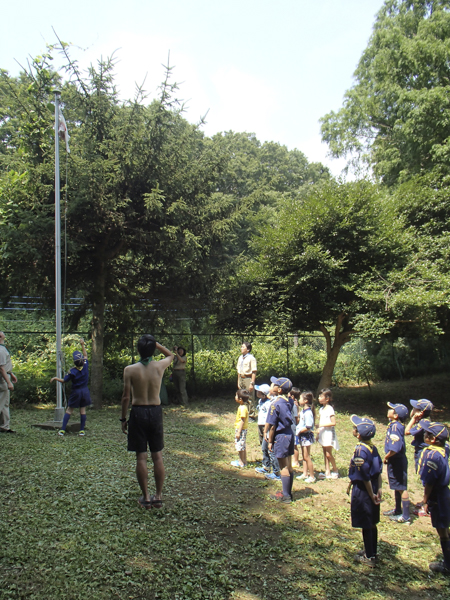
(397, 470)
(79, 398)
(284, 445)
(365, 514)
(439, 509)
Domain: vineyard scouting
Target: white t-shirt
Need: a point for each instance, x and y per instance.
(263, 409)
(325, 414)
(294, 417)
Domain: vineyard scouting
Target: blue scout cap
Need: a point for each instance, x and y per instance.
(422, 404)
(438, 430)
(365, 427)
(77, 355)
(283, 382)
(264, 388)
(400, 409)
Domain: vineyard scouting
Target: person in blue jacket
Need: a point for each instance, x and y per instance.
(79, 396)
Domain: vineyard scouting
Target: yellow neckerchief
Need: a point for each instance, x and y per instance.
(79, 368)
(367, 445)
(438, 449)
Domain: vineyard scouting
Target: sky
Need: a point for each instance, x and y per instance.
(259, 66)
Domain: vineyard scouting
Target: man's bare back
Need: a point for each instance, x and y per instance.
(142, 382)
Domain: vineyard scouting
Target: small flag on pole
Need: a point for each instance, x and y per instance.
(63, 131)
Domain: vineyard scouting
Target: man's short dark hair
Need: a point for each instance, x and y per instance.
(146, 345)
(248, 345)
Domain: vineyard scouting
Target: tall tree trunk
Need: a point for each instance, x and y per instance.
(97, 331)
(340, 338)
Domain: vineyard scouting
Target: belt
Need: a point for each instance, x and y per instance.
(240, 375)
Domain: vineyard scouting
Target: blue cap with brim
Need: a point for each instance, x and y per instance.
(438, 430)
(422, 404)
(283, 382)
(365, 427)
(400, 409)
(77, 355)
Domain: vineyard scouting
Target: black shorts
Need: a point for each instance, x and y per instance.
(145, 426)
(365, 514)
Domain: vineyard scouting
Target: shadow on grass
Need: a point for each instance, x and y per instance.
(218, 535)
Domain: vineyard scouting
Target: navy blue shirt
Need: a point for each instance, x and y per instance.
(418, 438)
(433, 469)
(366, 463)
(78, 378)
(395, 439)
(280, 415)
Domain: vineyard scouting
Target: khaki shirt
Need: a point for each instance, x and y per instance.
(246, 365)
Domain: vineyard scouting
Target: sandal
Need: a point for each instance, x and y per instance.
(155, 502)
(145, 503)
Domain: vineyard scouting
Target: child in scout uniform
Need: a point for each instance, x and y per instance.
(263, 409)
(421, 409)
(435, 475)
(281, 436)
(397, 463)
(365, 483)
(80, 396)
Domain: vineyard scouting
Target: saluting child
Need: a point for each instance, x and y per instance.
(79, 396)
(397, 463)
(305, 435)
(435, 475)
(326, 434)
(240, 428)
(365, 482)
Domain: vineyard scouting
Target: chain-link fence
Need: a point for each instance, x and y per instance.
(212, 358)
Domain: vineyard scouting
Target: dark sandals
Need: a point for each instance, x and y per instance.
(152, 503)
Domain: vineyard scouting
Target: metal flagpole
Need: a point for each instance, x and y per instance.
(59, 412)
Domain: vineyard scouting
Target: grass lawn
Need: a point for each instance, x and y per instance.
(71, 526)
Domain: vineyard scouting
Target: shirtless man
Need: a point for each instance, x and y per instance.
(142, 382)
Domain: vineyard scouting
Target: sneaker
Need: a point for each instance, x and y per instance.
(363, 553)
(61, 432)
(419, 512)
(363, 560)
(439, 567)
(236, 463)
(391, 512)
(280, 497)
(272, 476)
(261, 470)
(399, 519)
(334, 475)
(310, 480)
(323, 476)
(81, 432)
(302, 476)
(251, 420)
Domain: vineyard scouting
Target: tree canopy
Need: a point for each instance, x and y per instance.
(397, 115)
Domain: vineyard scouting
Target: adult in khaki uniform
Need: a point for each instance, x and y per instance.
(7, 379)
(246, 368)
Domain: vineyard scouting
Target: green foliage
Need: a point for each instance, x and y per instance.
(397, 115)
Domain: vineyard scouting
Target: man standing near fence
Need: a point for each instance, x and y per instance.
(246, 368)
(141, 385)
(7, 379)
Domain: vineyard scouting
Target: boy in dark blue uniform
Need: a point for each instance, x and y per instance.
(365, 481)
(421, 409)
(281, 436)
(397, 463)
(79, 396)
(435, 475)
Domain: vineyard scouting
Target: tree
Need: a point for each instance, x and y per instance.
(397, 115)
(143, 219)
(311, 266)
